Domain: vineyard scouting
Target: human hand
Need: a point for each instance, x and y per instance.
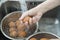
(34, 17)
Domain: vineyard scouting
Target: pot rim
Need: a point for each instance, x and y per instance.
(9, 36)
(43, 32)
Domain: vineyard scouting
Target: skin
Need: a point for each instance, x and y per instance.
(39, 10)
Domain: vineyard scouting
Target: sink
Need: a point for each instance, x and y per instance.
(49, 25)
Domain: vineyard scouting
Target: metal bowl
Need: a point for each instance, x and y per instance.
(40, 35)
(13, 17)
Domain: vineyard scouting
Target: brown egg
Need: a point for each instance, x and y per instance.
(13, 34)
(44, 39)
(33, 39)
(26, 19)
(11, 24)
(11, 29)
(17, 22)
(21, 27)
(22, 34)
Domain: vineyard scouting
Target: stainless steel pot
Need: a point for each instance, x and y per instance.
(13, 17)
(44, 35)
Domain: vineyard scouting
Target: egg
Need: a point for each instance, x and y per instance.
(13, 34)
(11, 29)
(17, 22)
(21, 27)
(44, 39)
(33, 39)
(26, 19)
(22, 34)
(12, 24)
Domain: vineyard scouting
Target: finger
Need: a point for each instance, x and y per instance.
(21, 22)
(23, 16)
(26, 23)
(34, 19)
(38, 16)
(30, 21)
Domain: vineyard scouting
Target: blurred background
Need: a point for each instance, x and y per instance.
(50, 22)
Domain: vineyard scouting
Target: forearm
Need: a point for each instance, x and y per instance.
(45, 6)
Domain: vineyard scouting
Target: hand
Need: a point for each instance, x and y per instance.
(35, 17)
(39, 10)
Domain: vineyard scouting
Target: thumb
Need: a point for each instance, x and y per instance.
(23, 16)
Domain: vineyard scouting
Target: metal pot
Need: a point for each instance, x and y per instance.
(13, 17)
(43, 35)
